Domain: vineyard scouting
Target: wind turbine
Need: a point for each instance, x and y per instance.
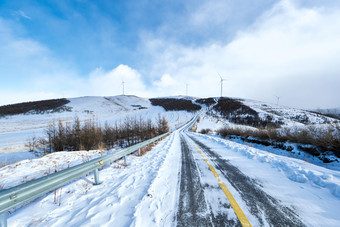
(123, 86)
(221, 82)
(278, 99)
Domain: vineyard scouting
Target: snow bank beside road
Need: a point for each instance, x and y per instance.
(112, 203)
(310, 191)
(295, 170)
(159, 206)
(27, 170)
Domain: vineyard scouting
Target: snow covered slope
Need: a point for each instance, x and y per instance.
(17, 129)
(286, 116)
(291, 116)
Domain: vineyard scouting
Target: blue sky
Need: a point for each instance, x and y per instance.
(264, 48)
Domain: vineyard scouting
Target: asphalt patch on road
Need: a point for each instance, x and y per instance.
(263, 206)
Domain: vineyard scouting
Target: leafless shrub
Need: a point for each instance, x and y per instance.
(2, 164)
(205, 131)
(325, 139)
(145, 149)
(32, 144)
(175, 104)
(236, 131)
(206, 101)
(235, 111)
(85, 186)
(90, 135)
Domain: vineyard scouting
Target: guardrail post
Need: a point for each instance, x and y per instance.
(125, 163)
(3, 219)
(96, 177)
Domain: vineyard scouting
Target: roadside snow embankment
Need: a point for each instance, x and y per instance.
(295, 170)
(114, 202)
(28, 170)
(158, 207)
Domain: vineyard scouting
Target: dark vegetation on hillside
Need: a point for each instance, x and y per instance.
(329, 114)
(235, 111)
(175, 104)
(38, 107)
(315, 141)
(207, 101)
(303, 118)
(90, 135)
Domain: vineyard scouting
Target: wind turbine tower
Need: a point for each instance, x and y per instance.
(123, 87)
(221, 83)
(278, 100)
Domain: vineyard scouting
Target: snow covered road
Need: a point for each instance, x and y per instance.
(172, 185)
(260, 207)
(273, 190)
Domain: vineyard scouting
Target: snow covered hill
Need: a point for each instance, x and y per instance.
(286, 116)
(16, 130)
(332, 112)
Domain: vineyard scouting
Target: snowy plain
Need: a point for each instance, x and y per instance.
(17, 130)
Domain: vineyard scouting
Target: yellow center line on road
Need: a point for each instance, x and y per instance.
(238, 211)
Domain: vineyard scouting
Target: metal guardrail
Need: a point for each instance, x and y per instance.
(18, 195)
(15, 196)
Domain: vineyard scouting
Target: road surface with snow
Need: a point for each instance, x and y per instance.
(263, 207)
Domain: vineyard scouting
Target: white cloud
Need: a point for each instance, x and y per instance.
(289, 51)
(110, 83)
(10, 97)
(30, 71)
(165, 81)
(23, 14)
